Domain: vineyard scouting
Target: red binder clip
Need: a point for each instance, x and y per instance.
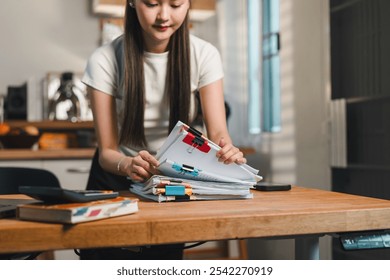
(196, 142)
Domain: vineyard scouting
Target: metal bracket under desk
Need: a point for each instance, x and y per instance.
(307, 247)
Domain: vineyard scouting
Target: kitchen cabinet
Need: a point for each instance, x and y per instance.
(21, 163)
(72, 174)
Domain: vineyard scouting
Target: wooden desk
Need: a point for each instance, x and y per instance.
(303, 213)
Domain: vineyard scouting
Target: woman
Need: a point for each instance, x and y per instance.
(141, 84)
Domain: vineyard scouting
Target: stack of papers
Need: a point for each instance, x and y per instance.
(163, 189)
(191, 171)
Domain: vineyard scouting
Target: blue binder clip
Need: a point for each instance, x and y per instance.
(175, 190)
(186, 169)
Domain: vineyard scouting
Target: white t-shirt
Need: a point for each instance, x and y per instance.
(104, 72)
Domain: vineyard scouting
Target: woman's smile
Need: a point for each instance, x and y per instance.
(161, 28)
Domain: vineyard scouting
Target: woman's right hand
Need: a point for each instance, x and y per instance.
(141, 167)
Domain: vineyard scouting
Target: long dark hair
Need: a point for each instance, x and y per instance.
(178, 86)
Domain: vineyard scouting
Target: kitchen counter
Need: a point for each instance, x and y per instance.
(28, 154)
(73, 153)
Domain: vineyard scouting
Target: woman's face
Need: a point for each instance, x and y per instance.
(159, 19)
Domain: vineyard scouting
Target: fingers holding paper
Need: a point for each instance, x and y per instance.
(229, 153)
(141, 167)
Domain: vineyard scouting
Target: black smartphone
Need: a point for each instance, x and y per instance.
(59, 195)
(266, 186)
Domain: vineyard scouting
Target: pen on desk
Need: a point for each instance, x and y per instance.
(179, 198)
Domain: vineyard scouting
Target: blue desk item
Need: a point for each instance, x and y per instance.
(365, 240)
(185, 169)
(175, 190)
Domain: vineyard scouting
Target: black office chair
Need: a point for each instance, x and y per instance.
(13, 177)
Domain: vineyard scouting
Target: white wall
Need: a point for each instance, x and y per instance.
(311, 76)
(39, 36)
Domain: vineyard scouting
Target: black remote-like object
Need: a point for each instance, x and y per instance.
(265, 186)
(59, 195)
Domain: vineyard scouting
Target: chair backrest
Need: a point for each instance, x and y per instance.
(13, 177)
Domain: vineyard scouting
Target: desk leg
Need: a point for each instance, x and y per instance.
(307, 248)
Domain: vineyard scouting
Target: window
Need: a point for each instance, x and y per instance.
(249, 43)
(271, 67)
(254, 66)
(264, 101)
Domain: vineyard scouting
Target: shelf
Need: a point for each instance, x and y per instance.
(200, 9)
(25, 154)
(54, 135)
(364, 167)
(53, 125)
(369, 98)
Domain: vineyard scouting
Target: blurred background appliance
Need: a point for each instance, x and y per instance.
(65, 97)
(15, 105)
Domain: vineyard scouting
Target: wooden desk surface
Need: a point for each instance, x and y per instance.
(300, 211)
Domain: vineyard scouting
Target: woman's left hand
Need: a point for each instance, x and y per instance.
(229, 153)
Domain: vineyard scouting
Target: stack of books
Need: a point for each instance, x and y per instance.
(72, 213)
(191, 171)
